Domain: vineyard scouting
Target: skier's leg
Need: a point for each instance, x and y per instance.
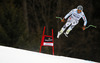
(74, 22)
(68, 30)
(63, 29)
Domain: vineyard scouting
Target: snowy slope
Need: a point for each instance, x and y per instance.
(13, 55)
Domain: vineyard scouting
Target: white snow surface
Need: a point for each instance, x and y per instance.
(13, 55)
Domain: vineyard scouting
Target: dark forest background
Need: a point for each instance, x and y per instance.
(22, 22)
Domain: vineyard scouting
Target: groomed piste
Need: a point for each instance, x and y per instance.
(13, 55)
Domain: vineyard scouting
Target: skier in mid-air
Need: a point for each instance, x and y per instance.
(74, 16)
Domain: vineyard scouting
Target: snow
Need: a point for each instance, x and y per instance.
(13, 55)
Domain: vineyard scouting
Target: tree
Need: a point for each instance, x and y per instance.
(11, 23)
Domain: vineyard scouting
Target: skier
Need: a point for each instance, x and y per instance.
(74, 16)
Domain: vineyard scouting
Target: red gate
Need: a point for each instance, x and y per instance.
(47, 40)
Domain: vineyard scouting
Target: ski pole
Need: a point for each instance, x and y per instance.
(90, 26)
(59, 18)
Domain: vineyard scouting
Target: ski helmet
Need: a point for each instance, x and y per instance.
(80, 7)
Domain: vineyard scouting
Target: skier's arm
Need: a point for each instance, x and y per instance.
(85, 21)
(67, 15)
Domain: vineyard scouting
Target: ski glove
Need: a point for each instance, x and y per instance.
(83, 27)
(63, 20)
